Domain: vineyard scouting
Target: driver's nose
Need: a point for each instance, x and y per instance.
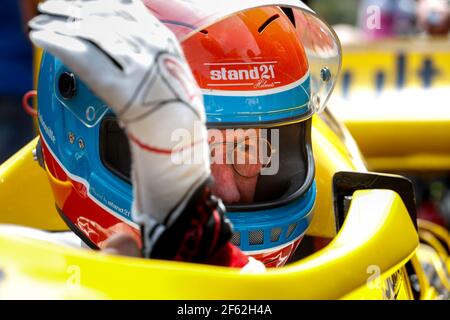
(225, 185)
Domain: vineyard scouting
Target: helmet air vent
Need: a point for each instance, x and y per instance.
(275, 234)
(256, 237)
(291, 229)
(268, 21)
(236, 238)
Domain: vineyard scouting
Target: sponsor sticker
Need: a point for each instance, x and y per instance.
(256, 75)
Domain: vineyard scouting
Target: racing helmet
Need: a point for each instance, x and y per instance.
(264, 68)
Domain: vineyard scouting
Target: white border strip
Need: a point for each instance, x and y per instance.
(230, 84)
(253, 93)
(238, 63)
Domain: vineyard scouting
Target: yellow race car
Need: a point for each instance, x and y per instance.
(366, 222)
(374, 253)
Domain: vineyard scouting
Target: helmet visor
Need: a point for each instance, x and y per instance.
(253, 168)
(321, 43)
(256, 168)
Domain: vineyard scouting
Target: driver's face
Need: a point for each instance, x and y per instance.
(235, 182)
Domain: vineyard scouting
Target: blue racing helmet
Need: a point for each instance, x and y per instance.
(263, 71)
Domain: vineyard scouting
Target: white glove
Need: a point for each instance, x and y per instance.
(135, 64)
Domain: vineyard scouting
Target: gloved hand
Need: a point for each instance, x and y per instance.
(135, 64)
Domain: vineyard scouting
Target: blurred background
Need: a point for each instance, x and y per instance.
(393, 94)
(394, 91)
(16, 76)
(375, 19)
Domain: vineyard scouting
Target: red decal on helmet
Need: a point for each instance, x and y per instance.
(72, 198)
(279, 257)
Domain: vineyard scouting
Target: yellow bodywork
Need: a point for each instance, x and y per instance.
(438, 239)
(25, 194)
(365, 260)
(368, 241)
